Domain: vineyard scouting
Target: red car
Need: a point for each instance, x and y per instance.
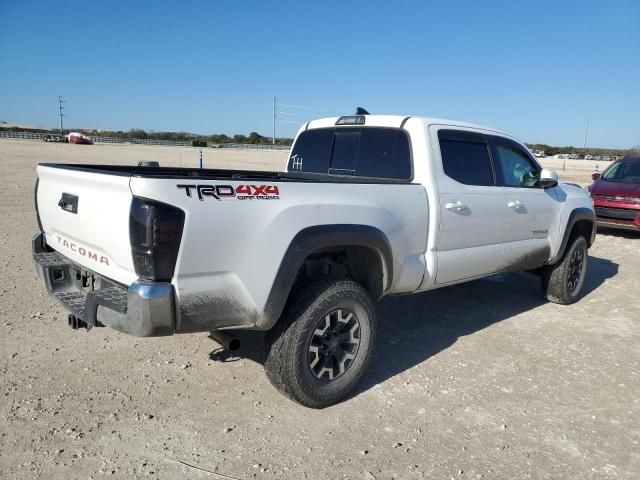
(79, 138)
(616, 194)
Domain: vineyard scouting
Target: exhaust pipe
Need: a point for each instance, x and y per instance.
(76, 323)
(228, 341)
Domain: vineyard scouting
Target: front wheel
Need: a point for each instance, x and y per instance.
(321, 347)
(562, 283)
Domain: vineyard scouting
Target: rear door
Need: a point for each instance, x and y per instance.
(85, 216)
(472, 213)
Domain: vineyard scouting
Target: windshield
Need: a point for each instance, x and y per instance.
(623, 172)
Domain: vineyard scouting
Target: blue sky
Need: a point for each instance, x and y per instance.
(524, 67)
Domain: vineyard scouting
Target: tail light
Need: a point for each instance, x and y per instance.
(155, 230)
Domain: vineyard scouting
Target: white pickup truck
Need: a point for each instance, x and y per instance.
(368, 205)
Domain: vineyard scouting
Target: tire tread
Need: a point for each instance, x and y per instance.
(553, 277)
(282, 365)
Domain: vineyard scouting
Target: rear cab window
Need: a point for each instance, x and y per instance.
(311, 152)
(372, 152)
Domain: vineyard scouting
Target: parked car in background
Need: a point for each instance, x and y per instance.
(616, 194)
(50, 137)
(79, 138)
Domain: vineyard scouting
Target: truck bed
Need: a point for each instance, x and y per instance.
(238, 227)
(216, 174)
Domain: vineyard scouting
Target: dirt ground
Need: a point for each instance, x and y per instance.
(479, 381)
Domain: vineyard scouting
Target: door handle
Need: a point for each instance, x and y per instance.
(514, 205)
(455, 206)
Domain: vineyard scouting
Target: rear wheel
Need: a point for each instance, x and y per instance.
(322, 345)
(562, 282)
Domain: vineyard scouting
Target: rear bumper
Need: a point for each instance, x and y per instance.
(144, 309)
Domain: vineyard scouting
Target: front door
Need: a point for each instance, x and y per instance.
(531, 210)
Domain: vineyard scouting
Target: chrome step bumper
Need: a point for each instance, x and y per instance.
(144, 309)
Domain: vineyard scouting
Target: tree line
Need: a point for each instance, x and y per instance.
(253, 137)
(612, 152)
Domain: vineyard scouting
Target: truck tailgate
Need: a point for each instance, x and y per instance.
(85, 217)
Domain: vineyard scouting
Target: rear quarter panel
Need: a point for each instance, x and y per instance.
(231, 249)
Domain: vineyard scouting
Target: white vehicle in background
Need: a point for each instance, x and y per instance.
(368, 206)
(52, 137)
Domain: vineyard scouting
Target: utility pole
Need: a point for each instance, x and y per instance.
(60, 109)
(586, 130)
(275, 117)
(586, 125)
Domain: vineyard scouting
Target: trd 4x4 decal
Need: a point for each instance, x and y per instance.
(228, 192)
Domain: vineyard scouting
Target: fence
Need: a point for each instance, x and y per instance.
(141, 141)
(148, 141)
(24, 135)
(253, 146)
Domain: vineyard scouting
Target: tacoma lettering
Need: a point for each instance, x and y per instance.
(74, 247)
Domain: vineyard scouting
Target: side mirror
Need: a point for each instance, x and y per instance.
(596, 175)
(548, 178)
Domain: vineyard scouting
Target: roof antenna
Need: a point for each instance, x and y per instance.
(361, 111)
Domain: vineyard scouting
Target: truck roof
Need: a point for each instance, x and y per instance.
(396, 121)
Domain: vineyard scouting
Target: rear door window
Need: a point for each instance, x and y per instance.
(374, 152)
(466, 158)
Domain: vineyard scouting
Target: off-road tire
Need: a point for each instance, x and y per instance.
(288, 364)
(555, 278)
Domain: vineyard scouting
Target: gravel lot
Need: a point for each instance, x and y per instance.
(483, 380)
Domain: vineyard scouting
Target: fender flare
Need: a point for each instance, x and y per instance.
(310, 240)
(576, 215)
